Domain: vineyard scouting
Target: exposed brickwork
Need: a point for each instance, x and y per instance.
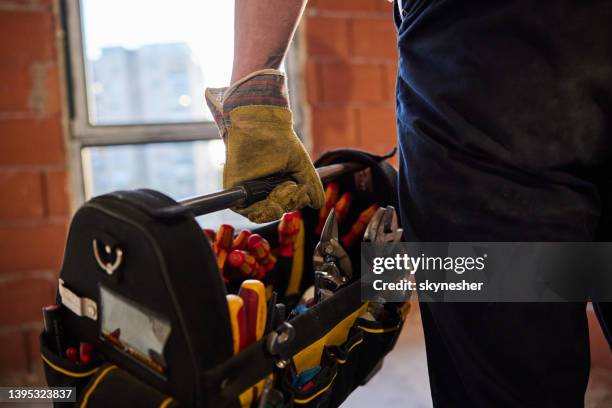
(34, 204)
(350, 74)
(336, 127)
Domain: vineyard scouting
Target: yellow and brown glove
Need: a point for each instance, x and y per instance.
(256, 125)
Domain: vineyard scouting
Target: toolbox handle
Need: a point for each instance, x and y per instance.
(249, 192)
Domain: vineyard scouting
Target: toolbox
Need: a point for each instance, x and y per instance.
(144, 316)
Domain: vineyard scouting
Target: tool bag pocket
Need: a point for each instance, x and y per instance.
(61, 372)
(319, 393)
(113, 387)
(347, 357)
(379, 337)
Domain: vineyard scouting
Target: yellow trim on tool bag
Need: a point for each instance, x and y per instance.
(321, 391)
(95, 384)
(251, 394)
(297, 264)
(67, 372)
(247, 397)
(379, 331)
(342, 361)
(166, 402)
(311, 356)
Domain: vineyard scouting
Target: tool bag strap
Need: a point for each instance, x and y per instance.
(229, 379)
(383, 172)
(153, 203)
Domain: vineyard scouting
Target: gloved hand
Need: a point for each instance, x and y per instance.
(256, 125)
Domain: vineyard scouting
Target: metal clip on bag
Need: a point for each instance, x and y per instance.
(140, 284)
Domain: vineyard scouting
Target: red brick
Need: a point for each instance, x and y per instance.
(347, 5)
(30, 86)
(27, 141)
(327, 36)
(23, 298)
(390, 80)
(15, 87)
(332, 128)
(54, 100)
(21, 194)
(373, 38)
(37, 4)
(377, 129)
(346, 83)
(26, 36)
(56, 189)
(313, 82)
(13, 354)
(32, 246)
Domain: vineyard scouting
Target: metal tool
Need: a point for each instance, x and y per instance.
(278, 344)
(329, 256)
(383, 227)
(332, 264)
(325, 285)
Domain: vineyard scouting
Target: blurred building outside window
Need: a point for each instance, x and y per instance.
(139, 70)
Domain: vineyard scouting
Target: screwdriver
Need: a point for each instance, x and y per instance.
(85, 352)
(342, 206)
(210, 234)
(223, 244)
(243, 261)
(224, 237)
(72, 354)
(253, 294)
(260, 248)
(240, 242)
(359, 226)
(237, 314)
(288, 230)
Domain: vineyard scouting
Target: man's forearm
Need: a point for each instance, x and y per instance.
(262, 33)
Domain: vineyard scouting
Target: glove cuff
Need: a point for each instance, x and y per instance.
(264, 88)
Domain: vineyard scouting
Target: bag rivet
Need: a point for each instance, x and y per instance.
(91, 312)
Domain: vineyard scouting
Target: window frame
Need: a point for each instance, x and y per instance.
(90, 134)
(84, 134)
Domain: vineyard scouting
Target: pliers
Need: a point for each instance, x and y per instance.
(383, 227)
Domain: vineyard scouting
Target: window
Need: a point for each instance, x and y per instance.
(138, 70)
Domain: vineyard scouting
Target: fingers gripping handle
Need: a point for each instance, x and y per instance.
(250, 192)
(259, 189)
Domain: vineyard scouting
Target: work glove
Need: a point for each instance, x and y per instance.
(256, 125)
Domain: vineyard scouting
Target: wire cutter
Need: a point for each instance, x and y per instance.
(332, 264)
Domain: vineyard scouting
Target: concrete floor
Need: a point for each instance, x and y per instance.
(403, 380)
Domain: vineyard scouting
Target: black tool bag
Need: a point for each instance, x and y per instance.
(138, 260)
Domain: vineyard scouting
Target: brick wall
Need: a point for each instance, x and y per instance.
(350, 75)
(34, 203)
(351, 61)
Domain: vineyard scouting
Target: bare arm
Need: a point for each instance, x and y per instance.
(262, 33)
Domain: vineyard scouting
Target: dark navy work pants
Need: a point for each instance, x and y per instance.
(505, 131)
